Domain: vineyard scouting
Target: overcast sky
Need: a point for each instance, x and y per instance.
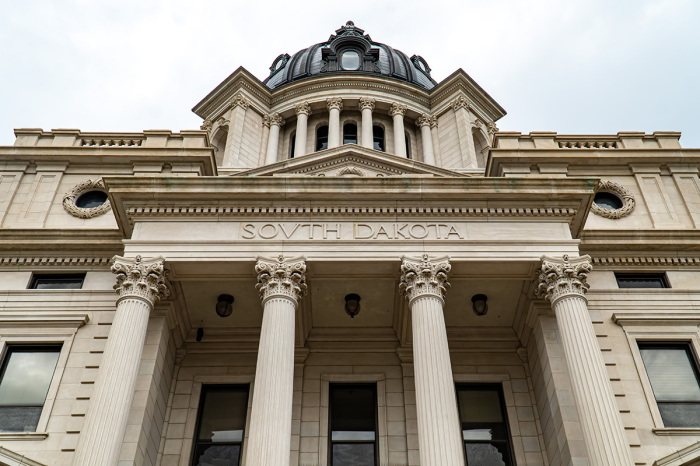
(572, 66)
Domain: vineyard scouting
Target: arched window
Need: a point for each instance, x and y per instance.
(378, 133)
(408, 147)
(321, 138)
(292, 145)
(350, 133)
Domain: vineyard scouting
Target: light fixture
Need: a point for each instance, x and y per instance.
(200, 334)
(479, 304)
(224, 305)
(352, 304)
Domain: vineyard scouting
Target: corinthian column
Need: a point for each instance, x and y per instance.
(424, 283)
(281, 284)
(367, 106)
(275, 121)
(140, 283)
(303, 111)
(335, 105)
(397, 111)
(424, 121)
(563, 283)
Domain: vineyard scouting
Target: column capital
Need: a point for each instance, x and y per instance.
(460, 102)
(303, 108)
(492, 128)
(239, 100)
(334, 103)
(206, 125)
(421, 277)
(426, 120)
(273, 119)
(139, 278)
(397, 109)
(285, 278)
(560, 277)
(366, 103)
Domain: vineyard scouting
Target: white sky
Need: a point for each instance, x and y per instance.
(568, 66)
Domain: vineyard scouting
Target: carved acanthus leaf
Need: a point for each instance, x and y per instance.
(239, 100)
(397, 109)
(281, 278)
(78, 190)
(460, 102)
(303, 108)
(366, 102)
(424, 277)
(426, 120)
(334, 103)
(140, 278)
(560, 277)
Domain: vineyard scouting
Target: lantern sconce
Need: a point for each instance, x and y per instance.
(352, 304)
(479, 304)
(224, 305)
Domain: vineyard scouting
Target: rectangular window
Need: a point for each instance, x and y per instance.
(353, 424)
(57, 281)
(484, 424)
(25, 376)
(674, 378)
(642, 280)
(220, 425)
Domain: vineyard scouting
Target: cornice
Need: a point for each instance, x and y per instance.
(461, 81)
(43, 319)
(36, 261)
(664, 319)
(219, 96)
(645, 261)
(651, 243)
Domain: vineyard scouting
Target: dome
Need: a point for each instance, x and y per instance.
(349, 51)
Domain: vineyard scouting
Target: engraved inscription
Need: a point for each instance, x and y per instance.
(352, 231)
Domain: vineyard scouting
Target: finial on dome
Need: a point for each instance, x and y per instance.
(350, 24)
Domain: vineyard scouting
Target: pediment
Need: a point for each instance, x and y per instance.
(350, 160)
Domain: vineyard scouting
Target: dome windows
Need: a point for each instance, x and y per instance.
(350, 60)
(378, 133)
(350, 133)
(321, 138)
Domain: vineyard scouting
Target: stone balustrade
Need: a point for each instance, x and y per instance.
(76, 138)
(621, 140)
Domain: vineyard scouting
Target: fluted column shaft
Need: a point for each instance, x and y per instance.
(424, 122)
(439, 435)
(563, 283)
(335, 104)
(303, 111)
(281, 285)
(140, 284)
(367, 106)
(397, 111)
(436, 137)
(274, 121)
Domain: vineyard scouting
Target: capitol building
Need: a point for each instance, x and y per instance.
(349, 264)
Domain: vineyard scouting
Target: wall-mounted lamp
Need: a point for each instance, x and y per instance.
(200, 334)
(352, 304)
(224, 305)
(479, 304)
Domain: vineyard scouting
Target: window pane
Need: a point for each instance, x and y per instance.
(19, 418)
(352, 436)
(349, 134)
(485, 454)
(57, 281)
(223, 415)
(322, 138)
(27, 376)
(671, 374)
(217, 455)
(680, 414)
(353, 454)
(353, 408)
(378, 134)
(641, 280)
(480, 406)
(350, 60)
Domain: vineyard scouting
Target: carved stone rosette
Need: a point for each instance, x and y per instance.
(397, 109)
(334, 103)
(303, 108)
(281, 278)
(239, 100)
(460, 102)
(78, 190)
(420, 277)
(620, 191)
(139, 278)
(273, 119)
(366, 102)
(426, 120)
(563, 277)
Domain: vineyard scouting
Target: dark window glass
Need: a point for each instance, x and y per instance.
(350, 60)
(292, 145)
(350, 134)
(25, 377)
(378, 133)
(673, 375)
(642, 280)
(353, 424)
(607, 201)
(55, 281)
(321, 138)
(484, 425)
(408, 147)
(91, 199)
(220, 425)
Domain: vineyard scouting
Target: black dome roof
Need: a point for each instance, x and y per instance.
(364, 57)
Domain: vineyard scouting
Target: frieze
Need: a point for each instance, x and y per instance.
(352, 231)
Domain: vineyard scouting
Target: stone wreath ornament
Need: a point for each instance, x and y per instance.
(627, 198)
(78, 190)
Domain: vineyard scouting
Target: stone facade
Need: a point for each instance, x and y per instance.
(441, 208)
